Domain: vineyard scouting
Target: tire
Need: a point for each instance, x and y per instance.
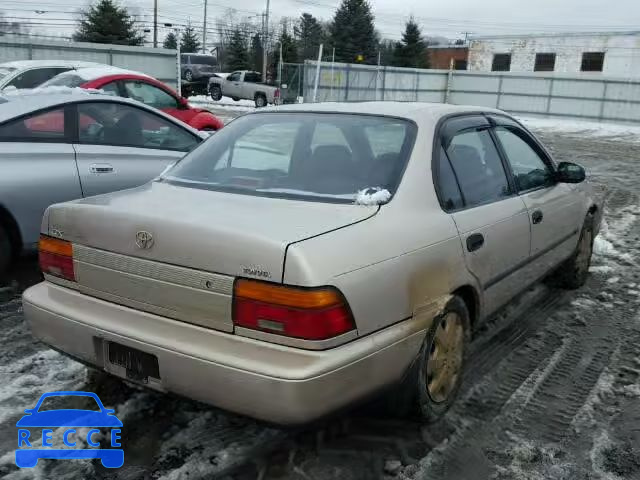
(261, 100)
(432, 384)
(235, 99)
(188, 76)
(6, 251)
(573, 273)
(216, 93)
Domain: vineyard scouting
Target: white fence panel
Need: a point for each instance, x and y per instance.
(587, 96)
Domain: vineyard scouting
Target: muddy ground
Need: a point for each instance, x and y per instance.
(552, 389)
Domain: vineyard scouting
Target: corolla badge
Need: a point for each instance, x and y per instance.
(144, 239)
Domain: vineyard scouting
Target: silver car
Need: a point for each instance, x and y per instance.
(23, 74)
(58, 147)
(311, 255)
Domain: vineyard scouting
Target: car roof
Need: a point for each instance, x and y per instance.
(408, 110)
(93, 73)
(20, 64)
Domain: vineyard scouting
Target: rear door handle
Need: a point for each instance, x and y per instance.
(536, 217)
(101, 168)
(475, 242)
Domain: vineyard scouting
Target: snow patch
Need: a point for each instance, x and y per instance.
(631, 390)
(53, 90)
(224, 102)
(372, 196)
(582, 128)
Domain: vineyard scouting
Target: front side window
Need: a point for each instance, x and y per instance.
(234, 77)
(529, 169)
(301, 155)
(478, 168)
(110, 123)
(42, 127)
(150, 95)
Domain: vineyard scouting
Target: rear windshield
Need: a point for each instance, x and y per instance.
(332, 157)
(65, 80)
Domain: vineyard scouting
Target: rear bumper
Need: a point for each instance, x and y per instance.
(271, 382)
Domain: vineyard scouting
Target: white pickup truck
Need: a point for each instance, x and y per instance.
(244, 84)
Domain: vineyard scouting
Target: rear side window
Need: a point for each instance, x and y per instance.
(36, 77)
(478, 168)
(42, 127)
(252, 77)
(448, 189)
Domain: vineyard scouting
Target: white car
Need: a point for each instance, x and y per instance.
(32, 73)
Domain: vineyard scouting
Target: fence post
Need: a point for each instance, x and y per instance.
(449, 82)
(317, 79)
(499, 91)
(603, 101)
(346, 85)
(110, 57)
(31, 51)
(417, 83)
(549, 96)
(384, 81)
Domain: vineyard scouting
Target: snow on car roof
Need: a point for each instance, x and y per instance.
(47, 63)
(409, 110)
(92, 73)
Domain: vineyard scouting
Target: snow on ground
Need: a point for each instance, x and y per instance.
(225, 102)
(580, 127)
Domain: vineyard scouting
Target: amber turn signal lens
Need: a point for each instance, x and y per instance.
(55, 246)
(287, 296)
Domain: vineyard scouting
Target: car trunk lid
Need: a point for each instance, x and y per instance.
(176, 251)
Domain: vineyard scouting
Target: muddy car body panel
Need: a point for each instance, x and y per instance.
(376, 252)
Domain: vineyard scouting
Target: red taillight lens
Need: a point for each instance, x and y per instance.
(310, 314)
(56, 258)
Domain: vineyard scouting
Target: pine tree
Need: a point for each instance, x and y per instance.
(106, 22)
(237, 55)
(411, 50)
(352, 33)
(170, 41)
(289, 48)
(308, 34)
(189, 42)
(256, 53)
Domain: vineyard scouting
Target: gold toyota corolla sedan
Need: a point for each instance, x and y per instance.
(308, 256)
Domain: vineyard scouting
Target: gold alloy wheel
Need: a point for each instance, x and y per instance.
(445, 357)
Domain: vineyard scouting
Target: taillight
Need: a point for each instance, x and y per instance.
(56, 257)
(307, 313)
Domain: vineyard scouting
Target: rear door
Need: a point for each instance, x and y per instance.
(555, 211)
(37, 168)
(491, 219)
(122, 146)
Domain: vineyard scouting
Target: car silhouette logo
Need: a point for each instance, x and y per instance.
(65, 421)
(144, 239)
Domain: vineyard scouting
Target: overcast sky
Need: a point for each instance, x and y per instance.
(445, 18)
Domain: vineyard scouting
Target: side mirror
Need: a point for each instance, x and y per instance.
(570, 173)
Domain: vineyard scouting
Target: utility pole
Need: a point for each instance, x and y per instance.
(155, 23)
(264, 44)
(204, 29)
(178, 61)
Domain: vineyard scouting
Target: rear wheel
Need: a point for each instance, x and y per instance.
(216, 93)
(261, 100)
(574, 272)
(188, 76)
(431, 386)
(6, 252)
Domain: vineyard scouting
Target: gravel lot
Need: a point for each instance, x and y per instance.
(553, 390)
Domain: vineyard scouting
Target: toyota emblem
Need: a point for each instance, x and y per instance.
(144, 239)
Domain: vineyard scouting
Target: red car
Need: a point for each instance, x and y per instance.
(139, 87)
